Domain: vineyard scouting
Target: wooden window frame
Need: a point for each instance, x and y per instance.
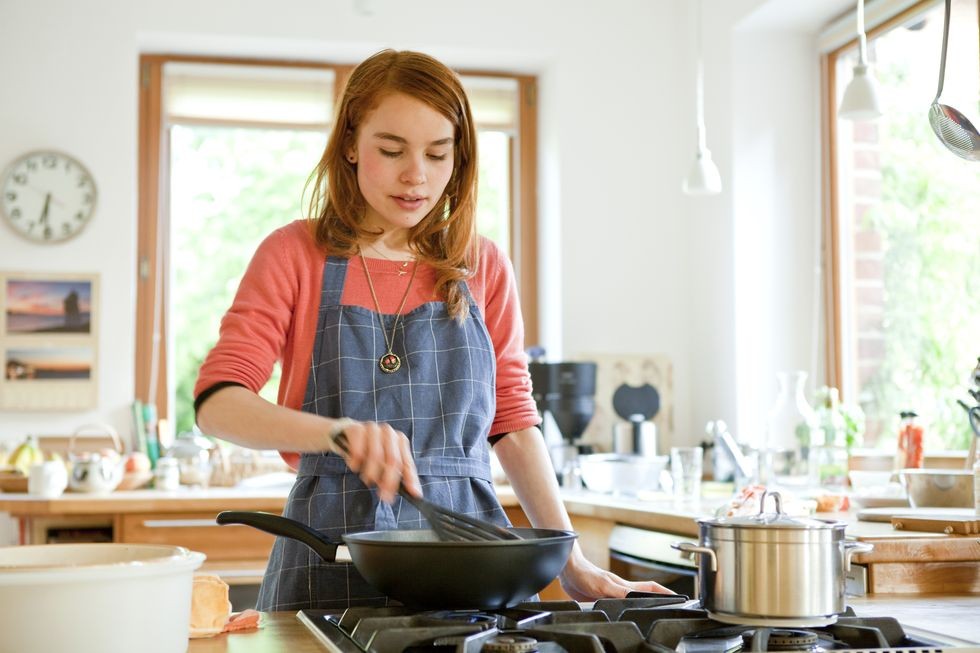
(831, 220)
(153, 216)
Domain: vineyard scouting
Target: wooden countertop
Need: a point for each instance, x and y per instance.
(183, 500)
(949, 615)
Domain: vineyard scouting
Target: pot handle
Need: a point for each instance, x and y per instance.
(278, 525)
(850, 548)
(688, 547)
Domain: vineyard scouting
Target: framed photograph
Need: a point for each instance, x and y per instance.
(48, 306)
(48, 341)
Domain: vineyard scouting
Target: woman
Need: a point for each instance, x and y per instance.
(395, 324)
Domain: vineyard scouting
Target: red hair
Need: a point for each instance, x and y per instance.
(446, 236)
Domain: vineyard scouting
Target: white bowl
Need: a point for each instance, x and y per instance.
(98, 598)
(622, 473)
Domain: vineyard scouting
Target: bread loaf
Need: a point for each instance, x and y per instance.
(210, 607)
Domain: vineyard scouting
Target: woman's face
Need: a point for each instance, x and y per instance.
(404, 156)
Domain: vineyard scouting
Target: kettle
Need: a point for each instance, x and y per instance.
(95, 473)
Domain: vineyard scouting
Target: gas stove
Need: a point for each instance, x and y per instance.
(639, 624)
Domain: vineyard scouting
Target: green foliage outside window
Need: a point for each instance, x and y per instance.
(928, 221)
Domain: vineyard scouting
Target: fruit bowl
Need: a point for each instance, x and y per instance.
(134, 480)
(12, 481)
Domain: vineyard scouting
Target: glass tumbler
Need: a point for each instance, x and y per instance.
(686, 466)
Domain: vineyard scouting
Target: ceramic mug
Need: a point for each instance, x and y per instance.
(48, 479)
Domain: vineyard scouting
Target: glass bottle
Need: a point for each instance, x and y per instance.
(789, 433)
(910, 436)
(828, 451)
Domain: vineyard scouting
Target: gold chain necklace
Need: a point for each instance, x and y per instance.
(389, 361)
(404, 267)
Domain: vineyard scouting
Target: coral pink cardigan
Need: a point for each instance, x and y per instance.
(274, 317)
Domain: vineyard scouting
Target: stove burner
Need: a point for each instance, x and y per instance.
(462, 616)
(510, 644)
(780, 639)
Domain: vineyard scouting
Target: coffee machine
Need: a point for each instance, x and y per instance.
(566, 391)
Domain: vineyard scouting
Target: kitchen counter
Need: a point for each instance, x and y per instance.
(902, 561)
(950, 615)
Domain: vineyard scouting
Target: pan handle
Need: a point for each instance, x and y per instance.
(850, 548)
(278, 525)
(688, 547)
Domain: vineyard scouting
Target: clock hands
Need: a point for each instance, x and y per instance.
(50, 197)
(44, 211)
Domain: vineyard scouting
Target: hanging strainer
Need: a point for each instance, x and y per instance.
(952, 128)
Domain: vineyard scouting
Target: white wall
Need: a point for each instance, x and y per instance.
(640, 267)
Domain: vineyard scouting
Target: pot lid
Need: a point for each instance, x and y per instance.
(777, 519)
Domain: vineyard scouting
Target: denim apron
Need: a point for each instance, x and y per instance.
(443, 398)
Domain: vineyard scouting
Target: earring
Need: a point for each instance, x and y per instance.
(351, 159)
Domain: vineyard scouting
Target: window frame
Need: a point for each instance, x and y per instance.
(152, 259)
(833, 278)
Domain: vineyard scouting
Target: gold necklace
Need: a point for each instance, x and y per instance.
(389, 361)
(404, 267)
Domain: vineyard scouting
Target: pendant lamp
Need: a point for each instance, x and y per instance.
(861, 95)
(703, 179)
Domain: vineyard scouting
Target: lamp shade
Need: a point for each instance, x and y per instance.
(861, 96)
(703, 179)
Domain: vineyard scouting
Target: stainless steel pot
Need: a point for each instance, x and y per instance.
(773, 568)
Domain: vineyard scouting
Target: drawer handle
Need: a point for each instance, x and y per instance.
(178, 523)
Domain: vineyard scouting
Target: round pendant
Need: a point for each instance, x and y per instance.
(389, 363)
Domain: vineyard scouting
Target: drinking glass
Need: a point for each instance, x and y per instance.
(685, 471)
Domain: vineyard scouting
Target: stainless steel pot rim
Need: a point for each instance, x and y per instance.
(792, 524)
(776, 536)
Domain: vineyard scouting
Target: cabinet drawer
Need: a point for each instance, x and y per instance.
(199, 532)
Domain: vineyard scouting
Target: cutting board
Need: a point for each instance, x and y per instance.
(886, 514)
(952, 521)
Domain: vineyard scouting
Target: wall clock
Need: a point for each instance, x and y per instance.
(47, 196)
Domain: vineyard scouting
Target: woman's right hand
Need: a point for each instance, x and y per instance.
(381, 456)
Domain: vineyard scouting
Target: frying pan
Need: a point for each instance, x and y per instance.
(417, 569)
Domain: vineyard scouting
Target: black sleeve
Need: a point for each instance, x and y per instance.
(207, 392)
(494, 439)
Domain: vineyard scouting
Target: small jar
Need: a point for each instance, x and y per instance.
(167, 474)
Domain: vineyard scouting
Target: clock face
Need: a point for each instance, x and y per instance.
(47, 196)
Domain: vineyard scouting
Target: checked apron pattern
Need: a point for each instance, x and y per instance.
(442, 398)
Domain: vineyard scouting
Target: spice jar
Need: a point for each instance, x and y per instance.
(167, 474)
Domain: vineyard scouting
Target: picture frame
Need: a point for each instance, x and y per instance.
(49, 331)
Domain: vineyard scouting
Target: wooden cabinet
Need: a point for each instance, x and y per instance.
(236, 553)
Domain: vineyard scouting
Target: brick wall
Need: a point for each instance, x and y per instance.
(869, 288)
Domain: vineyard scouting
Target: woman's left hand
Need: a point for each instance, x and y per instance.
(584, 581)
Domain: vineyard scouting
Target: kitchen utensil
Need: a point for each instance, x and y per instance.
(95, 473)
(950, 488)
(638, 405)
(960, 522)
(419, 570)
(638, 437)
(96, 598)
(788, 571)
(627, 474)
(448, 524)
(953, 129)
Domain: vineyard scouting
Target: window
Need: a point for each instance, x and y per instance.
(906, 284)
(226, 148)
